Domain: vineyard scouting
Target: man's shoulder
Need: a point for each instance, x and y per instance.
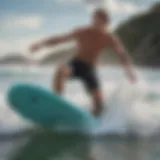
(111, 36)
(82, 29)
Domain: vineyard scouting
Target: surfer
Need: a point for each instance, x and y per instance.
(91, 40)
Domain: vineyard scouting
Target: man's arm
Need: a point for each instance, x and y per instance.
(53, 41)
(118, 47)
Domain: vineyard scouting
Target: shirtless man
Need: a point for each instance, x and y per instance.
(91, 40)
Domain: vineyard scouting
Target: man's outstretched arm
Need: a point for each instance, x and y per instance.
(53, 41)
(118, 47)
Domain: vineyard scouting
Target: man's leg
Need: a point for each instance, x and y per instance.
(62, 73)
(97, 96)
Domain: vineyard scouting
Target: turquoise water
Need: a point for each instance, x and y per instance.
(129, 130)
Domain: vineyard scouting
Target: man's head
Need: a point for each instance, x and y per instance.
(100, 17)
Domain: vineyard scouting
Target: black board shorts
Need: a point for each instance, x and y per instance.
(84, 72)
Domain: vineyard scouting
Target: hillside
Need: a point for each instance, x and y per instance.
(141, 36)
(14, 59)
(58, 56)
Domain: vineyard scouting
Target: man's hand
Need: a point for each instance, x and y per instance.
(133, 79)
(36, 47)
(131, 75)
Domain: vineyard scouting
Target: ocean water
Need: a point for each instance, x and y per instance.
(130, 127)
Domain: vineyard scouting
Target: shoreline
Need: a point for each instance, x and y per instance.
(100, 65)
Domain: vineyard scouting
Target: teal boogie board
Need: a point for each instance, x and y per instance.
(49, 109)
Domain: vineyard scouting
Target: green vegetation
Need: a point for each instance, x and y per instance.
(141, 36)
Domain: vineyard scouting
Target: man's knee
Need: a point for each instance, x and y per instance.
(63, 71)
(98, 95)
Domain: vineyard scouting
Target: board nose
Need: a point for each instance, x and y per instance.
(12, 95)
(15, 92)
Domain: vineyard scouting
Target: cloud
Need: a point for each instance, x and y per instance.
(114, 6)
(22, 22)
(68, 1)
(19, 45)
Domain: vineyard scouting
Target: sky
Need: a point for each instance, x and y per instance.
(24, 22)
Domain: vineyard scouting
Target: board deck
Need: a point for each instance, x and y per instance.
(48, 109)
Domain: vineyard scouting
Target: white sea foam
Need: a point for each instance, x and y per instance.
(133, 110)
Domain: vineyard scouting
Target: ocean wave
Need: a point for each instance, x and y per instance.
(133, 108)
(133, 111)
